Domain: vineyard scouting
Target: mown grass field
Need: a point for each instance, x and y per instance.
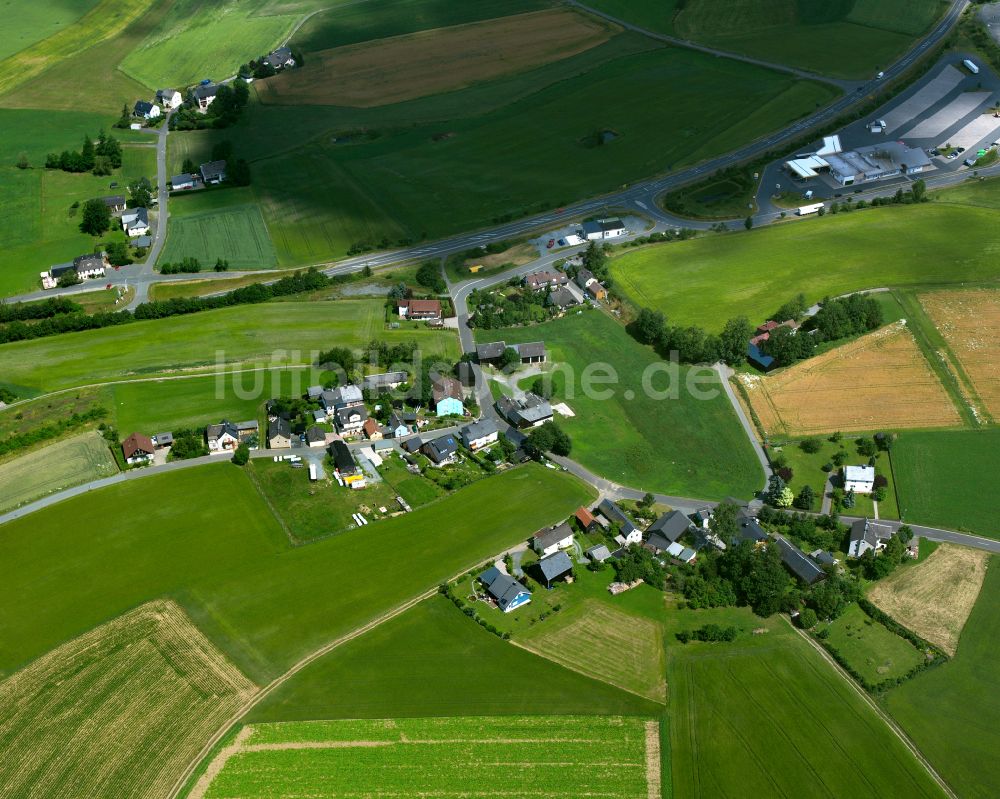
(236, 234)
(117, 711)
(45, 471)
(208, 540)
(433, 661)
(945, 479)
(557, 756)
(686, 445)
(799, 34)
(711, 279)
(198, 41)
(30, 23)
(874, 652)
(268, 335)
(953, 712)
(763, 715)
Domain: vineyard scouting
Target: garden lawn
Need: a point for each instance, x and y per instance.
(952, 712)
(432, 660)
(266, 335)
(685, 446)
(870, 648)
(57, 466)
(946, 479)
(708, 280)
(766, 715)
(208, 540)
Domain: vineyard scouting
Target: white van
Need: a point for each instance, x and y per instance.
(970, 65)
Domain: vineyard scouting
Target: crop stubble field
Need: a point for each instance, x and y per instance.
(449, 758)
(117, 711)
(935, 598)
(970, 323)
(858, 386)
(55, 467)
(444, 59)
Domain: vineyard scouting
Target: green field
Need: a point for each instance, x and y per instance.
(945, 479)
(709, 280)
(268, 335)
(28, 23)
(45, 471)
(236, 234)
(555, 756)
(433, 661)
(683, 445)
(953, 712)
(767, 716)
(873, 652)
(38, 226)
(207, 539)
(198, 41)
(792, 32)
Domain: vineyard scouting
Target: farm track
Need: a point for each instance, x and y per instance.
(896, 729)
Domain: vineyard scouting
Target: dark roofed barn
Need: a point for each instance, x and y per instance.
(555, 566)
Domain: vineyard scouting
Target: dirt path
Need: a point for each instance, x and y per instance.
(653, 790)
(899, 732)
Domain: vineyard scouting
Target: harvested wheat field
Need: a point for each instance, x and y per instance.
(879, 381)
(118, 711)
(430, 62)
(935, 597)
(970, 323)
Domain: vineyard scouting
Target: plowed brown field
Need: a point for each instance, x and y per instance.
(970, 323)
(118, 711)
(879, 381)
(430, 62)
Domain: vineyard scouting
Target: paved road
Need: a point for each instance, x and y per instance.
(676, 41)
(640, 197)
(724, 374)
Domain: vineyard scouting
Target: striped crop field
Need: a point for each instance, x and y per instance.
(564, 756)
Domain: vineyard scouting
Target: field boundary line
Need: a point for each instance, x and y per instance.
(891, 722)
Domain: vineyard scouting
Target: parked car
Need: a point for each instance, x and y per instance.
(970, 161)
(880, 76)
(952, 154)
(551, 244)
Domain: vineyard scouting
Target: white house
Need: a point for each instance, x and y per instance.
(280, 58)
(222, 437)
(138, 448)
(547, 542)
(480, 434)
(135, 222)
(867, 535)
(859, 479)
(169, 98)
(350, 419)
(602, 229)
(505, 590)
(204, 95)
(178, 182)
(333, 399)
(146, 110)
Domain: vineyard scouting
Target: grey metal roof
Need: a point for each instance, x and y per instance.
(599, 553)
(279, 427)
(797, 562)
(441, 448)
(531, 349)
(555, 564)
(547, 538)
(562, 297)
(315, 433)
(177, 179)
(480, 429)
(373, 382)
(671, 525)
(114, 200)
(204, 92)
(344, 414)
(502, 587)
(342, 457)
(613, 513)
(213, 169)
(583, 277)
(870, 531)
(490, 350)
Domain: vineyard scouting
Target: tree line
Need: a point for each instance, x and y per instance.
(99, 158)
(307, 280)
(51, 430)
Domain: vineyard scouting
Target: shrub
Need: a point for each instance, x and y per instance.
(810, 445)
(807, 619)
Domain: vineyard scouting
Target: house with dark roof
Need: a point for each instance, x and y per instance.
(204, 95)
(599, 229)
(555, 566)
(531, 351)
(610, 511)
(162, 440)
(527, 411)
(185, 181)
(316, 437)
(397, 427)
(507, 592)
(561, 298)
(342, 458)
(116, 203)
(213, 172)
(138, 448)
(333, 399)
(135, 222)
(671, 525)
(144, 109)
(385, 381)
(279, 59)
(412, 445)
(350, 419)
(797, 563)
(545, 542)
(490, 352)
(757, 357)
(540, 281)
(279, 434)
(824, 557)
(586, 280)
(480, 434)
(222, 437)
(868, 535)
(441, 450)
(748, 529)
